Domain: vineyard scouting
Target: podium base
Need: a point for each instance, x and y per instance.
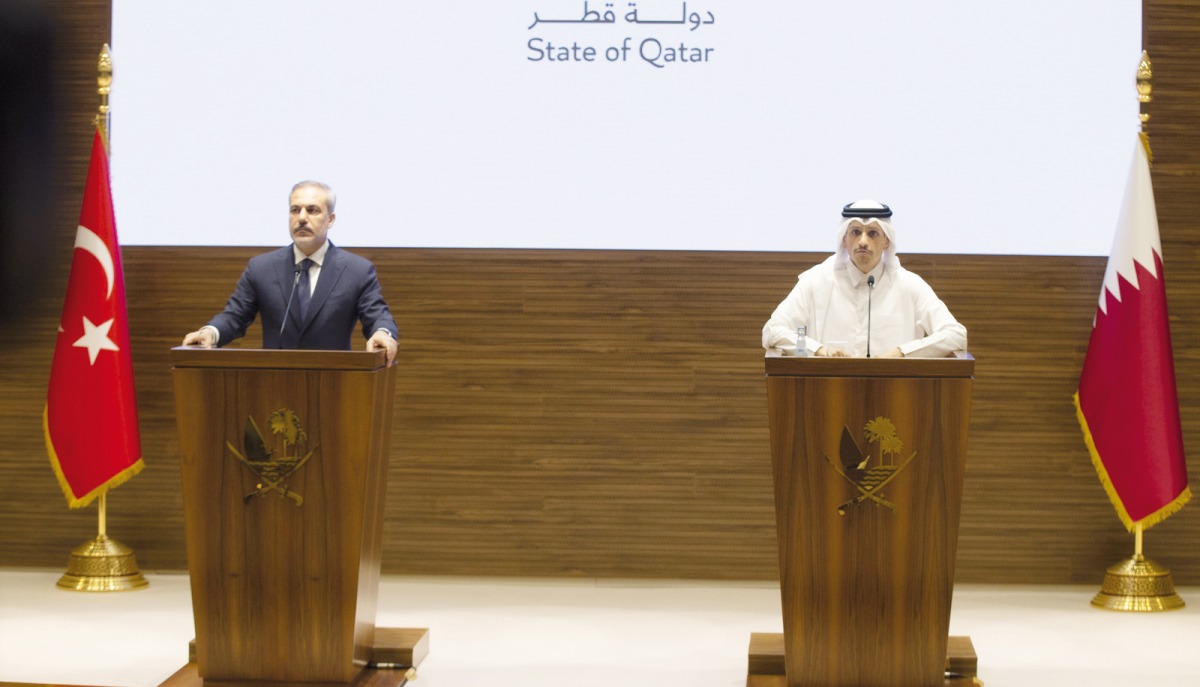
(394, 658)
(766, 666)
(397, 647)
(189, 676)
(781, 681)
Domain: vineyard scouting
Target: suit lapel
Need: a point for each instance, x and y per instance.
(331, 271)
(285, 269)
(287, 278)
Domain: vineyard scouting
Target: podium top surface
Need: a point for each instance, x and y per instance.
(779, 365)
(271, 359)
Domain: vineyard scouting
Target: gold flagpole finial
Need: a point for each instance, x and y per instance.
(1145, 77)
(104, 77)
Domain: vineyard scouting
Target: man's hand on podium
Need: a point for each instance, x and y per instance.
(382, 340)
(205, 336)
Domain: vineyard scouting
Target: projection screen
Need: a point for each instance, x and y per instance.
(994, 128)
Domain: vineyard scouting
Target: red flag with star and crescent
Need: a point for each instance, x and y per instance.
(1127, 403)
(90, 419)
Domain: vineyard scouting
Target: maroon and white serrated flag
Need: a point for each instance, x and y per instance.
(90, 419)
(1127, 402)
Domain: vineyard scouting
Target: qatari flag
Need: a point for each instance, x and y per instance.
(1126, 403)
(91, 414)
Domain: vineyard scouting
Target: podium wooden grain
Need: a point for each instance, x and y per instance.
(285, 580)
(866, 592)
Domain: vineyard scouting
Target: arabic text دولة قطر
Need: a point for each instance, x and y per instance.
(650, 50)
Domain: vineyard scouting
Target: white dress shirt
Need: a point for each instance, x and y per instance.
(317, 257)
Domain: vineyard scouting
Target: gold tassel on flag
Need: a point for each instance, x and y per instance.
(100, 564)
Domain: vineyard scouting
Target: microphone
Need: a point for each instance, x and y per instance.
(870, 290)
(286, 310)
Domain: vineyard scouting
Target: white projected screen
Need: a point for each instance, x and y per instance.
(995, 128)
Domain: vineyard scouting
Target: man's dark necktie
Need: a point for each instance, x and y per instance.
(302, 289)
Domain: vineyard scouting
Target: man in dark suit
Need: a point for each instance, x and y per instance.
(310, 293)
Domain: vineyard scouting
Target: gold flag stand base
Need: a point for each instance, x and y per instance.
(102, 565)
(1138, 584)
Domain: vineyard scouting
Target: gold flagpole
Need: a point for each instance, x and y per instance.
(102, 564)
(1138, 583)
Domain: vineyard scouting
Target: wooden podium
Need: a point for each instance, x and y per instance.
(284, 457)
(868, 458)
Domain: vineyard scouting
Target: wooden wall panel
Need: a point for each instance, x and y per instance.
(603, 413)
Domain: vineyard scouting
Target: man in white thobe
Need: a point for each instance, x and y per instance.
(861, 302)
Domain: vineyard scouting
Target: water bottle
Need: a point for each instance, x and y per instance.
(801, 345)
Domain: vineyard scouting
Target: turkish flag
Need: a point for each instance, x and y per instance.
(90, 418)
(1127, 402)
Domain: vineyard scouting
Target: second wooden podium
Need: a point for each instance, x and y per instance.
(868, 458)
(284, 456)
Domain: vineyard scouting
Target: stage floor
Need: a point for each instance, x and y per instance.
(593, 633)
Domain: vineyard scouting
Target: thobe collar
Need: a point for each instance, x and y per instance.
(857, 278)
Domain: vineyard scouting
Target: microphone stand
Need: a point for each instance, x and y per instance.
(870, 290)
(288, 308)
